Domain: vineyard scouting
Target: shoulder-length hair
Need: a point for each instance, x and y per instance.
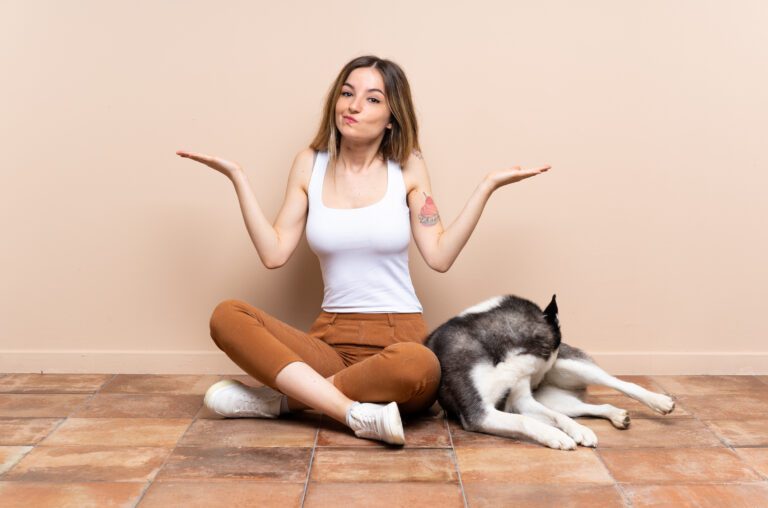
(399, 141)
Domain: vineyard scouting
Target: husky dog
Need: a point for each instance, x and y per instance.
(505, 371)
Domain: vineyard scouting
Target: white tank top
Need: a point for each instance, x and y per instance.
(363, 252)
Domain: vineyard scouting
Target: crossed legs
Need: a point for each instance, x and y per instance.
(312, 374)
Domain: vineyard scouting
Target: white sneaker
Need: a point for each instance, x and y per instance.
(376, 421)
(233, 399)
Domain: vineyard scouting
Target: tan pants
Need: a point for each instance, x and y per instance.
(374, 357)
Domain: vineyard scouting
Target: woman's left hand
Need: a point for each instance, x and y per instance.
(502, 177)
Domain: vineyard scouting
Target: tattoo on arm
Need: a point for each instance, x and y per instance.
(428, 215)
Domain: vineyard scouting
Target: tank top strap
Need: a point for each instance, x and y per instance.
(316, 178)
(397, 194)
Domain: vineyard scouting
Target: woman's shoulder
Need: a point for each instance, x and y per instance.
(414, 162)
(303, 163)
(307, 153)
(413, 170)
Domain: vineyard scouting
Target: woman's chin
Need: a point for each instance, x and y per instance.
(353, 136)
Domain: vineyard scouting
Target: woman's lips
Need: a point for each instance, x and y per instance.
(349, 119)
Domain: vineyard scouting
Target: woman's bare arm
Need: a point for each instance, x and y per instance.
(292, 217)
(274, 243)
(441, 246)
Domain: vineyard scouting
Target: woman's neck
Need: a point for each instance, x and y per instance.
(358, 158)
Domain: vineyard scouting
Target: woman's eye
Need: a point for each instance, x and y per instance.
(347, 94)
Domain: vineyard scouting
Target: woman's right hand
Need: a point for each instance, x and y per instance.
(225, 167)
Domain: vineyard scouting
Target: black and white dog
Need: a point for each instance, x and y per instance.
(506, 372)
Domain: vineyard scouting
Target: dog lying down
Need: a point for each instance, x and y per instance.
(506, 372)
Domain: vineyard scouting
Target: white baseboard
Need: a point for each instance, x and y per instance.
(215, 362)
(117, 362)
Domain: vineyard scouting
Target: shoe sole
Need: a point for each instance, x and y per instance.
(394, 424)
(215, 387)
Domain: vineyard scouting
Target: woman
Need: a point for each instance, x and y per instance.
(361, 188)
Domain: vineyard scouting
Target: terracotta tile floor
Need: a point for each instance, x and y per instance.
(139, 440)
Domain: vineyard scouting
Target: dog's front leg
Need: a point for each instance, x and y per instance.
(512, 425)
(525, 404)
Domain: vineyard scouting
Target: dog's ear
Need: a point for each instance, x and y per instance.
(550, 313)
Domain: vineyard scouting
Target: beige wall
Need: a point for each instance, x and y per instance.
(650, 226)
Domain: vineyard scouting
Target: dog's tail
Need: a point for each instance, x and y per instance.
(436, 411)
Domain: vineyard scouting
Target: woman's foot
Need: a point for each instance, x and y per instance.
(233, 399)
(376, 421)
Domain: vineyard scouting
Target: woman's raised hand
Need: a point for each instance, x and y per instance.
(225, 167)
(504, 176)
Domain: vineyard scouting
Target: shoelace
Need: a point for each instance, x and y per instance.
(367, 420)
(240, 407)
(243, 403)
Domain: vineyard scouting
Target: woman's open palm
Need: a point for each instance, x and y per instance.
(514, 174)
(223, 166)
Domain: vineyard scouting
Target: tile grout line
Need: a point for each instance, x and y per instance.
(722, 440)
(55, 427)
(455, 460)
(151, 480)
(95, 392)
(624, 496)
(2, 475)
(143, 492)
(105, 383)
(311, 459)
(695, 417)
(627, 500)
(731, 448)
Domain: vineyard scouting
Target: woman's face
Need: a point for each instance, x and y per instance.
(362, 98)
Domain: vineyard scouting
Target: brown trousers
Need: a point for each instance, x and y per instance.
(374, 357)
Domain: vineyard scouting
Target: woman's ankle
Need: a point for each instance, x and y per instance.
(284, 405)
(294, 405)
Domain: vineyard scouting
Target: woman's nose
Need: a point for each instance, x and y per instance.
(354, 106)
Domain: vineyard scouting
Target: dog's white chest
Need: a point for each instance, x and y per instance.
(541, 372)
(518, 372)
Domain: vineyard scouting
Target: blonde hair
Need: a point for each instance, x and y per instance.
(399, 141)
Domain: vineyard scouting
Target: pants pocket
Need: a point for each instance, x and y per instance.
(376, 333)
(320, 327)
(413, 330)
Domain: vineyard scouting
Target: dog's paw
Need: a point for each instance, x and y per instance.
(587, 437)
(556, 438)
(581, 434)
(620, 419)
(662, 404)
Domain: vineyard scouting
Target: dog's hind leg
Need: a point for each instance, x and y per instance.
(567, 402)
(513, 425)
(577, 373)
(523, 402)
